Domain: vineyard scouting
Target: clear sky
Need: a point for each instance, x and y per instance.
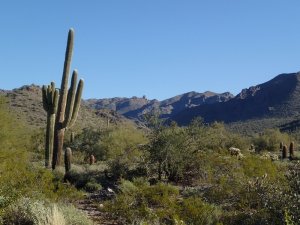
(157, 48)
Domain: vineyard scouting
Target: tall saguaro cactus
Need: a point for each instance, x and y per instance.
(50, 102)
(68, 104)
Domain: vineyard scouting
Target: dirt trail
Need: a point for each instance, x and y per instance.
(89, 207)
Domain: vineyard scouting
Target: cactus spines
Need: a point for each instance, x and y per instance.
(291, 150)
(284, 152)
(50, 102)
(68, 159)
(92, 159)
(69, 103)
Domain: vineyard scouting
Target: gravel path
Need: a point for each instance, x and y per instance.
(89, 207)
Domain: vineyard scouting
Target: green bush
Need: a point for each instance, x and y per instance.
(27, 211)
(270, 139)
(139, 202)
(92, 186)
(195, 211)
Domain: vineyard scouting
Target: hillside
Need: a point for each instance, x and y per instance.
(277, 98)
(272, 104)
(26, 103)
(134, 107)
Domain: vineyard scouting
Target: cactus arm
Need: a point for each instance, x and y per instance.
(65, 77)
(45, 100)
(50, 97)
(55, 101)
(52, 85)
(71, 99)
(77, 102)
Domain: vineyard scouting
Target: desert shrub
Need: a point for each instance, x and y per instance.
(19, 177)
(270, 139)
(139, 202)
(172, 153)
(88, 142)
(92, 186)
(293, 194)
(250, 191)
(73, 216)
(177, 152)
(86, 177)
(196, 211)
(37, 140)
(123, 151)
(27, 211)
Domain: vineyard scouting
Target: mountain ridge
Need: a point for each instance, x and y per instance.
(275, 102)
(135, 107)
(274, 98)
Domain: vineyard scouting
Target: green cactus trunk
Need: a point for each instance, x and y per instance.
(68, 105)
(50, 101)
(49, 139)
(72, 137)
(68, 159)
(284, 152)
(291, 149)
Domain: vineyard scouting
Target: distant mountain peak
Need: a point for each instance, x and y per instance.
(134, 107)
(278, 97)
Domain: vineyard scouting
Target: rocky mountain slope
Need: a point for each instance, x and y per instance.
(26, 103)
(135, 107)
(275, 103)
(277, 98)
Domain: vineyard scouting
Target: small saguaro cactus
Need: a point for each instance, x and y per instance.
(68, 159)
(50, 102)
(284, 152)
(291, 150)
(68, 104)
(92, 159)
(281, 145)
(72, 137)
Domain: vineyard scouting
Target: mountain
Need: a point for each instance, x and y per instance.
(277, 98)
(275, 103)
(134, 107)
(26, 103)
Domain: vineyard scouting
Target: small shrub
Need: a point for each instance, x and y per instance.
(140, 203)
(27, 211)
(92, 186)
(73, 216)
(195, 211)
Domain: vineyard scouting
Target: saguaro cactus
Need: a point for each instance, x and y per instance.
(291, 150)
(284, 152)
(68, 159)
(281, 145)
(50, 102)
(72, 137)
(68, 104)
(92, 159)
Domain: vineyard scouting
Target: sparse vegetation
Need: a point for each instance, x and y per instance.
(153, 173)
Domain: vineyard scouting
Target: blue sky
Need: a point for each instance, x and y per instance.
(157, 48)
